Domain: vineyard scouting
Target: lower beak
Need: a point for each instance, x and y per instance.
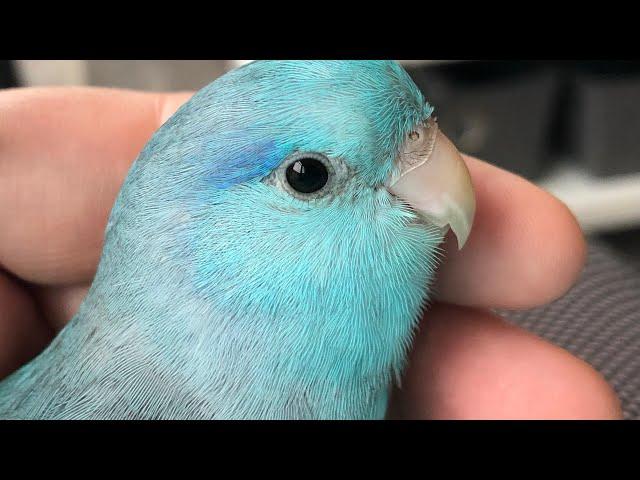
(431, 175)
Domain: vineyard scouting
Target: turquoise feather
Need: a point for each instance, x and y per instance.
(220, 295)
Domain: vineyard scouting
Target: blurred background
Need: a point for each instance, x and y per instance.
(572, 127)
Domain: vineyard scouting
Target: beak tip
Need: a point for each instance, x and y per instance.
(461, 239)
(463, 231)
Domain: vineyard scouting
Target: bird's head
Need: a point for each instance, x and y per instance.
(297, 197)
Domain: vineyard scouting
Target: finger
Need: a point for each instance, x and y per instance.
(525, 248)
(64, 153)
(23, 333)
(469, 364)
(59, 304)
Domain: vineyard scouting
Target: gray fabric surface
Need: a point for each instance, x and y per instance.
(598, 320)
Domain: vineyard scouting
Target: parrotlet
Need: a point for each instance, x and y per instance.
(268, 256)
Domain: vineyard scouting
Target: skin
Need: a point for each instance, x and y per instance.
(64, 152)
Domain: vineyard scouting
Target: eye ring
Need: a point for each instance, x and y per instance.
(338, 173)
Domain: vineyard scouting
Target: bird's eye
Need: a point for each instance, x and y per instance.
(414, 135)
(307, 174)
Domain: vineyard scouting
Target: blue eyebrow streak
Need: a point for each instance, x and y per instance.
(241, 163)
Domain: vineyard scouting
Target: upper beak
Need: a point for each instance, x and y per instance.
(431, 175)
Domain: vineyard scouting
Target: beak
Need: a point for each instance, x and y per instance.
(431, 175)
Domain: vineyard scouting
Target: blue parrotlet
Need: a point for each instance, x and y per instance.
(268, 256)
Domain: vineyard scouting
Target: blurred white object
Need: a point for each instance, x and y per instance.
(599, 204)
(155, 75)
(35, 73)
(231, 64)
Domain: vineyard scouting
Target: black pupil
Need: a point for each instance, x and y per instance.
(307, 175)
